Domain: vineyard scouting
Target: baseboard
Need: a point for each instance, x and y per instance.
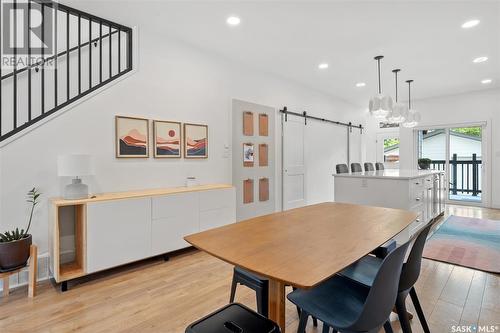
(21, 278)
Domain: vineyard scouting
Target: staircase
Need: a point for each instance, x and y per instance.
(51, 56)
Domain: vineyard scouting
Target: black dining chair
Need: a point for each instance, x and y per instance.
(369, 166)
(342, 168)
(365, 270)
(379, 166)
(356, 167)
(348, 306)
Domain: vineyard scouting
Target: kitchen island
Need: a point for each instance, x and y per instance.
(420, 191)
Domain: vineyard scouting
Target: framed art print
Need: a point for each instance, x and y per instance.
(167, 139)
(195, 141)
(132, 137)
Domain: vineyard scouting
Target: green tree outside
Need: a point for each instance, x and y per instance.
(471, 131)
(390, 142)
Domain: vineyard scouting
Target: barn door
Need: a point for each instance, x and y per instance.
(294, 170)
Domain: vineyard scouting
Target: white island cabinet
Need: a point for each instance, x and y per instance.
(420, 191)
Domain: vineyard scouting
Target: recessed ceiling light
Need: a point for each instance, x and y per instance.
(360, 84)
(323, 66)
(486, 81)
(479, 59)
(470, 24)
(233, 20)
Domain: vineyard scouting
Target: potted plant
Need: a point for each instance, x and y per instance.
(15, 244)
(424, 163)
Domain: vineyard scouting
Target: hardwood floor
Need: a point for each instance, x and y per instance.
(157, 296)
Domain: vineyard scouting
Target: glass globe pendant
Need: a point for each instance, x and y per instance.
(399, 111)
(380, 105)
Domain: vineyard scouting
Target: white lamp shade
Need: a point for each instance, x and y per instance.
(416, 116)
(398, 113)
(380, 106)
(412, 119)
(75, 165)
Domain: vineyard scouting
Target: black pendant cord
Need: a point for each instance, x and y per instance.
(396, 71)
(379, 84)
(378, 58)
(409, 93)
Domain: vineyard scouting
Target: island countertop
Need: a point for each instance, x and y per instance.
(390, 174)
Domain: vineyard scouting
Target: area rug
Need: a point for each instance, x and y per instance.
(468, 242)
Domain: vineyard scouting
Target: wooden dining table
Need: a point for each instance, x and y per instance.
(302, 247)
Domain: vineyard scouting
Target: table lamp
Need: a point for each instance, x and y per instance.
(75, 166)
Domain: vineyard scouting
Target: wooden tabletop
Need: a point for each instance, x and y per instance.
(304, 246)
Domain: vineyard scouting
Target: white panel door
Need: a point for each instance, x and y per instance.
(294, 170)
(355, 153)
(326, 146)
(174, 216)
(118, 232)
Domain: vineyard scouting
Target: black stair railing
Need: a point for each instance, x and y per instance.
(36, 69)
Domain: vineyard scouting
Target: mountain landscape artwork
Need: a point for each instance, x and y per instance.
(195, 141)
(132, 137)
(167, 136)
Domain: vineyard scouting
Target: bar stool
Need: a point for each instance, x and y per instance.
(356, 167)
(379, 166)
(261, 287)
(259, 284)
(369, 166)
(233, 317)
(342, 168)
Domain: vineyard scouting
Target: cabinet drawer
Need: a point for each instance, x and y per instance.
(216, 218)
(174, 205)
(118, 232)
(417, 197)
(417, 184)
(216, 199)
(167, 233)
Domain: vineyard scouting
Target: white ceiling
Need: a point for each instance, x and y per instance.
(290, 38)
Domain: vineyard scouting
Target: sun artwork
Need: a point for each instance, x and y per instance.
(167, 139)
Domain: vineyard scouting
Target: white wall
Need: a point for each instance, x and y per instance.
(174, 82)
(460, 109)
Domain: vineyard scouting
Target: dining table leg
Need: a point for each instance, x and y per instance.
(277, 303)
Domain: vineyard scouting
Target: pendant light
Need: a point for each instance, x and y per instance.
(413, 117)
(380, 105)
(399, 110)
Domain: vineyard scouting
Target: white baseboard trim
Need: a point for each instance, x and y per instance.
(21, 278)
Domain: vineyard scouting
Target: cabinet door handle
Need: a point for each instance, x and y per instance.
(418, 220)
(417, 183)
(418, 199)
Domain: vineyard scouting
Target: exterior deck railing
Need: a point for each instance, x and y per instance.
(464, 174)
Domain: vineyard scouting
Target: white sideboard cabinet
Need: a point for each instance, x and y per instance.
(112, 229)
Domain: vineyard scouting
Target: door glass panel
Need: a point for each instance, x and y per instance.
(465, 164)
(391, 152)
(432, 146)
